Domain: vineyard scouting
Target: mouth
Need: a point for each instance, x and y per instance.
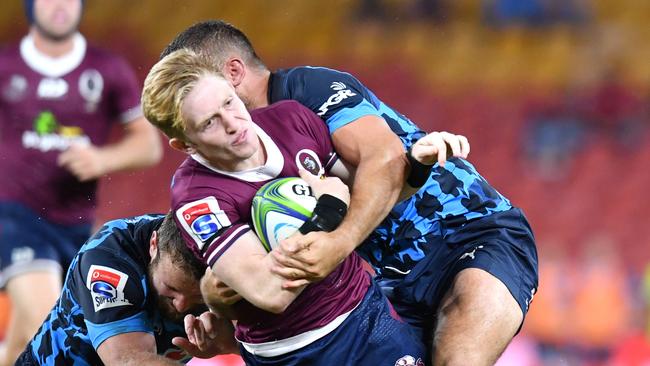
(241, 138)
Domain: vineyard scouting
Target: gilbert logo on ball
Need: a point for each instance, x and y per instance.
(279, 208)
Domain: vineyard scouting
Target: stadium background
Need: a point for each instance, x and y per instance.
(554, 96)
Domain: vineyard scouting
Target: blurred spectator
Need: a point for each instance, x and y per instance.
(602, 300)
(534, 13)
(59, 97)
(616, 111)
(550, 312)
(634, 350)
(554, 132)
(428, 10)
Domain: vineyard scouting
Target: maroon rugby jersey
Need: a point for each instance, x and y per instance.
(213, 209)
(45, 105)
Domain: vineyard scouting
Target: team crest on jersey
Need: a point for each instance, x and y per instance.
(202, 219)
(342, 92)
(91, 85)
(106, 287)
(308, 160)
(409, 361)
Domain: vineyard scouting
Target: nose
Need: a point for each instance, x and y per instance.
(180, 304)
(230, 123)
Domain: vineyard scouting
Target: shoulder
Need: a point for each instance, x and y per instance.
(10, 50)
(108, 62)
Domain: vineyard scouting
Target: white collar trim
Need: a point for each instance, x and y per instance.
(270, 170)
(53, 67)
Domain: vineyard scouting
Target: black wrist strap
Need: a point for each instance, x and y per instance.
(419, 172)
(328, 215)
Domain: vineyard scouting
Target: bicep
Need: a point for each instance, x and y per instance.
(118, 349)
(368, 136)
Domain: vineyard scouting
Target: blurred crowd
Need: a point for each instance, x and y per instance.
(568, 138)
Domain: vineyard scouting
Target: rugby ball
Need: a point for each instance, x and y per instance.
(279, 208)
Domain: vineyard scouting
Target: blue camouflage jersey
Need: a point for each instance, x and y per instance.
(451, 197)
(106, 293)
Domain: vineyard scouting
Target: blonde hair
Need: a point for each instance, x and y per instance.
(168, 83)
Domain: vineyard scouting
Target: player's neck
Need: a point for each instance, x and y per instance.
(50, 47)
(258, 89)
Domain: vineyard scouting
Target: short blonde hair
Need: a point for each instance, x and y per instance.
(168, 83)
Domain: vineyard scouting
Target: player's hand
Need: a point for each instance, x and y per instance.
(326, 185)
(438, 147)
(305, 259)
(86, 162)
(207, 336)
(216, 294)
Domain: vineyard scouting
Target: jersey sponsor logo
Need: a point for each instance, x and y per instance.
(202, 219)
(48, 134)
(106, 287)
(409, 361)
(341, 93)
(52, 88)
(308, 160)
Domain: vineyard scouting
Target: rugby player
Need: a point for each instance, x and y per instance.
(457, 259)
(343, 319)
(124, 299)
(59, 98)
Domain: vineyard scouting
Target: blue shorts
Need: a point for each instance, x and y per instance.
(501, 244)
(371, 335)
(30, 243)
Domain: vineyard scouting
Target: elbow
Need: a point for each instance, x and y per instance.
(277, 304)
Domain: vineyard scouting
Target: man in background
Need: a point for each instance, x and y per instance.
(58, 100)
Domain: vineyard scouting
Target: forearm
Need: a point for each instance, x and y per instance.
(377, 186)
(143, 358)
(251, 277)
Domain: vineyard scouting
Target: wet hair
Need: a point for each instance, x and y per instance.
(171, 242)
(219, 40)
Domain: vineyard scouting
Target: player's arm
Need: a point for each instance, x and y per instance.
(246, 268)
(436, 147)
(135, 348)
(139, 147)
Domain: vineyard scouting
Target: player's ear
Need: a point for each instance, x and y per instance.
(182, 146)
(153, 244)
(234, 70)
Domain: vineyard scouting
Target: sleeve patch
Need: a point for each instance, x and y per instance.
(202, 219)
(106, 287)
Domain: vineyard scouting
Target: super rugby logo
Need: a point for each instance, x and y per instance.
(106, 287)
(409, 361)
(341, 93)
(202, 219)
(308, 160)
